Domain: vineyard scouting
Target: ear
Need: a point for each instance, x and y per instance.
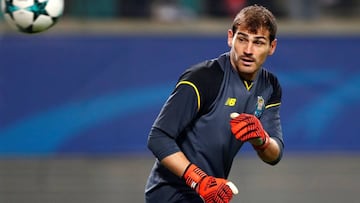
(273, 47)
(230, 37)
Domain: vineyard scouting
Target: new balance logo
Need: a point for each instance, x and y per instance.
(230, 102)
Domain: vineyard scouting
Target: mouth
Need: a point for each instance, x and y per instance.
(247, 61)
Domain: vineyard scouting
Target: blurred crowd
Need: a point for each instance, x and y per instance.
(169, 10)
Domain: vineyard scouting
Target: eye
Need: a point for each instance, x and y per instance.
(259, 42)
(242, 39)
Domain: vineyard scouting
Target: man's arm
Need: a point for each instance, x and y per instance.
(211, 189)
(248, 128)
(272, 152)
(176, 163)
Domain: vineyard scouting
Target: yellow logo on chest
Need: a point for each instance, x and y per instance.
(230, 102)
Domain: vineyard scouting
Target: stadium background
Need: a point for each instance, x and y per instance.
(77, 102)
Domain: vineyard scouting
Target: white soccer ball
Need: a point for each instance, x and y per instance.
(32, 16)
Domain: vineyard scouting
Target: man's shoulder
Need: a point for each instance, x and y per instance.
(270, 77)
(209, 66)
(203, 70)
(207, 78)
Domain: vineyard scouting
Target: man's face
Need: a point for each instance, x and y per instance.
(249, 50)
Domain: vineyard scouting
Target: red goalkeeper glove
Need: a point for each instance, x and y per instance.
(210, 189)
(247, 127)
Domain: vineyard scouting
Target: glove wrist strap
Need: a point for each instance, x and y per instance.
(193, 175)
(265, 144)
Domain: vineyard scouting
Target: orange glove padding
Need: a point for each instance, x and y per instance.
(246, 127)
(210, 189)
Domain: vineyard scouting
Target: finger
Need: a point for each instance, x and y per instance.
(243, 134)
(234, 115)
(237, 127)
(233, 188)
(248, 136)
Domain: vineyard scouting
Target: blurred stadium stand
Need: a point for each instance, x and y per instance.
(76, 102)
(294, 9)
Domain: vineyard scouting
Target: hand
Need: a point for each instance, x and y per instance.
(210, 189)
(247, 127)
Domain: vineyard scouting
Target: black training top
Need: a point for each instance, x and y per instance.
(195, 118)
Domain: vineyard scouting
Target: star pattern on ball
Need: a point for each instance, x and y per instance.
(38, 8)
(32, 16)
(10, 8)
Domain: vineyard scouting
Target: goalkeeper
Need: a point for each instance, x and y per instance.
(216, 107)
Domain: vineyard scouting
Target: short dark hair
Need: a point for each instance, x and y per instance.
(255, 17)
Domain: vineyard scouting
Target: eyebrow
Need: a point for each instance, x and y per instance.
(256, 37)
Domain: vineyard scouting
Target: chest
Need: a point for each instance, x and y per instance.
(238, 96)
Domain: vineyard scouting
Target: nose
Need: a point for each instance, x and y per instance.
(248, 50)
